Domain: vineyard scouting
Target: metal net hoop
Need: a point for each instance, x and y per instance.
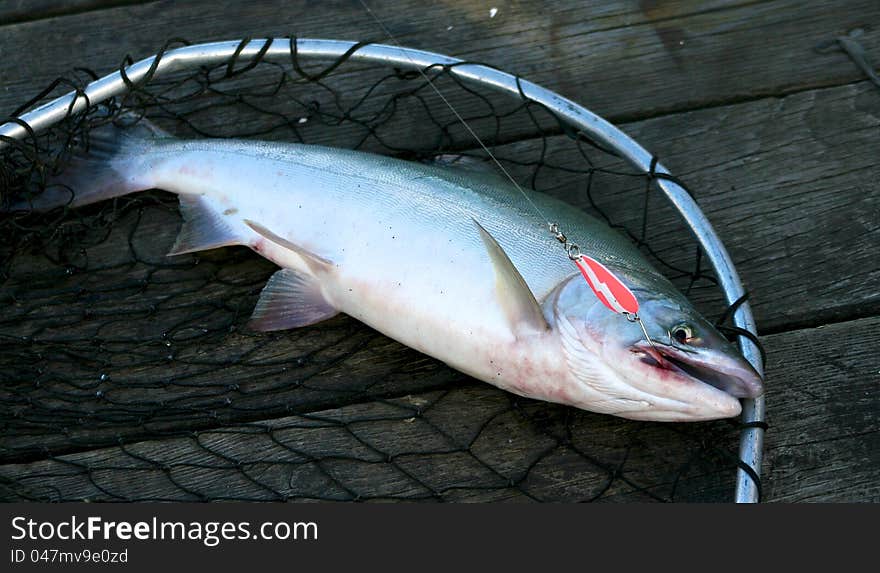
(157, 86)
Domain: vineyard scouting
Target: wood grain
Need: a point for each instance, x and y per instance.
(623, 59)
(16, 11)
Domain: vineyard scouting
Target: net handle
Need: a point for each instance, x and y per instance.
(600, 130)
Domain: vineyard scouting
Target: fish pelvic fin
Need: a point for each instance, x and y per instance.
(315, 262)
(108, 163)
(290, 300)
(202, 228)
(517, 301)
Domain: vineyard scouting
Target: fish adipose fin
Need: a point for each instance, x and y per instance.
(316, 263)
(464, 162)
(202, 228)
(290, 300)
(109, 165)
(475, 168)
(516, 298)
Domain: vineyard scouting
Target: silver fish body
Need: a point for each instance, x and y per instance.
(430, 256)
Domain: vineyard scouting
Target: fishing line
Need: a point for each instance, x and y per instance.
(607, 290)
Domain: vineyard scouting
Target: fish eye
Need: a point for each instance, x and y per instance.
(682, 333)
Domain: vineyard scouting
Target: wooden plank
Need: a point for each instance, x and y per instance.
(96, 364)
(15, 11)
(469, 443)
(825, 441)
(475, 443)
(624, 59)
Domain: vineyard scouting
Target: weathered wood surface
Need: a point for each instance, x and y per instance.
(825, 442)
(15, 11)
(788, 181)
(472, 442)
(625, 59)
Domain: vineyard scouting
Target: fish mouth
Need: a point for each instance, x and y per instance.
(733, 375)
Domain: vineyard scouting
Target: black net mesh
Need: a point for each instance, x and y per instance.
(129, 375)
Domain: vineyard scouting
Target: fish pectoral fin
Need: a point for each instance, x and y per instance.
(316, 263)
(516, 298)
(202, 228)
(290, 300)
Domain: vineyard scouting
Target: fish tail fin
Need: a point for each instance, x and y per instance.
(109, 164)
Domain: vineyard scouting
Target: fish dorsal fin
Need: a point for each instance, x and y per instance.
(202, 228)
(316, 263)
(517, 300)
(290, 300)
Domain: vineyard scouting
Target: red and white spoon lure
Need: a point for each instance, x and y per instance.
(608, 288)
(615, 295)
